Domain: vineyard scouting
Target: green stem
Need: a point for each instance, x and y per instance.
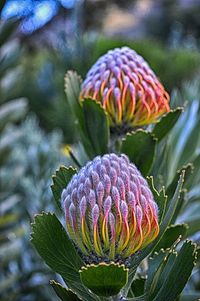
(112, 298)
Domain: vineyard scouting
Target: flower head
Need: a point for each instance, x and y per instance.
(127, 88)
(109, 209)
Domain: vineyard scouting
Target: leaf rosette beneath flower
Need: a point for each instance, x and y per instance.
(109, 209)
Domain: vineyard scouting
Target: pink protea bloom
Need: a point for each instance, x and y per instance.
(127, 88)
(109, 209)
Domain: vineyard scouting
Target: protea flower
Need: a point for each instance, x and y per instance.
(109, 209)
(127, 88)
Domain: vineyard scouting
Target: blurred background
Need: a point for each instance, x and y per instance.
(39, 41)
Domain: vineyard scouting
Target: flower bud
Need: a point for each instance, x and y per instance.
(110, 215)
(127, 88)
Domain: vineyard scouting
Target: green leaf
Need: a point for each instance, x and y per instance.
(194, 176)
(137, 287)
(180, 206)
(171, 235)
(159, 197)
(177, 276)
(63, 293)
(188, 151)
(104, 279)
(172, 206)
(97, 126)
(165, 124)
(156, 264)
(140, 147)
(60, 180)
(190, 296)
(54, 246)
(172, 187)
(72, 90)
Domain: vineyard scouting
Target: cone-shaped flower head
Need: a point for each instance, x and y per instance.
(127, 88)
(109, 209)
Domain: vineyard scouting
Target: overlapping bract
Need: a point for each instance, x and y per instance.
(127, 88)
(109, 208)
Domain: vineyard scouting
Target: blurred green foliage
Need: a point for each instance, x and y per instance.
(25, 178)
(44, 71)
(28, 156)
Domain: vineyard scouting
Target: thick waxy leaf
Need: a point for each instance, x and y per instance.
(60, 180)
(137, 287)
(190, 296)
(72, 90)
(54, 246)
(159, 197)
(140, 147)
(177, 275)
(104, 279)
(171, 235)
(188, 151)
(162, 128)
(63, 293)
(97, 126)
(191, 216)
(172, 187)
(194, 176)
(156, 265)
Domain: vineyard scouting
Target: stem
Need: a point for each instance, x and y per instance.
(115, 143)
(112, 298)
(74, 158)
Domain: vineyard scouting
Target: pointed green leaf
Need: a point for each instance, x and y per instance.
(156, 265)
(176, 278)
(159, 270)
(104, 279)
(140, 147)
(60, 180)
(191, 145)
(166, 123)
(159, 197)
(72, 90)
(54, 246)
(191, 216)
(180, 206)
(172, 187)
(194, 176)
(63, 293)
(97, 126)
(171, 235)
(137, 287)
(190, 296)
